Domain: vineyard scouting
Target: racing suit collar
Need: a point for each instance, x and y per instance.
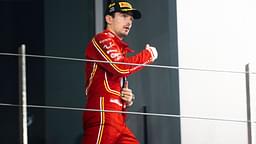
(121, 43)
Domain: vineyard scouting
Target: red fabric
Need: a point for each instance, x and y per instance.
(111, 135)
(103, 80)
(106, 127)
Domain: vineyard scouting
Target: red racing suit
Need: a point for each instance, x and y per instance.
(103, 87)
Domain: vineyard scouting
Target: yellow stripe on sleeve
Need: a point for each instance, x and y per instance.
(118, 69)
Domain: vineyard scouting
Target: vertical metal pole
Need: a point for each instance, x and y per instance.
(23, 95)
(145, 125)
(248, 103)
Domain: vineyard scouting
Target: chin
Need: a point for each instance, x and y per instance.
(124, 35)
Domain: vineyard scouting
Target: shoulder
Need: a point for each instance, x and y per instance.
(104, 36)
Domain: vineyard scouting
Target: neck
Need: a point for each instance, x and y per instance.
(121, 38)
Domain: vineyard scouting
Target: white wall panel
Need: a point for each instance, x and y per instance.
(220, 35)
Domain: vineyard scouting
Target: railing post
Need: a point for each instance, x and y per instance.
(23, 95)
(145, 121)
(248, 103)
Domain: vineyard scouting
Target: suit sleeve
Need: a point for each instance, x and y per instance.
(108, 50)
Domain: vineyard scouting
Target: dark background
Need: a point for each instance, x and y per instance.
(21, 21)
(29, 22)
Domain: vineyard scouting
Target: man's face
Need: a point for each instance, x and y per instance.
(120, 24)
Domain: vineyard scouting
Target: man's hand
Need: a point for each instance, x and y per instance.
(153, 51)
(127, 95)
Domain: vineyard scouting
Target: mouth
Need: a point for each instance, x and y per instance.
(127, 28)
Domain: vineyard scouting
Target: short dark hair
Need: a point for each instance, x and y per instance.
(105, 23)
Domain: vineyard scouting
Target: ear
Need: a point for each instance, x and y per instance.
(108, 19)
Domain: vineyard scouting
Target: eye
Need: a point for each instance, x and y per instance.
(125, 15)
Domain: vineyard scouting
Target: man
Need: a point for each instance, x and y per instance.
(104, 87)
